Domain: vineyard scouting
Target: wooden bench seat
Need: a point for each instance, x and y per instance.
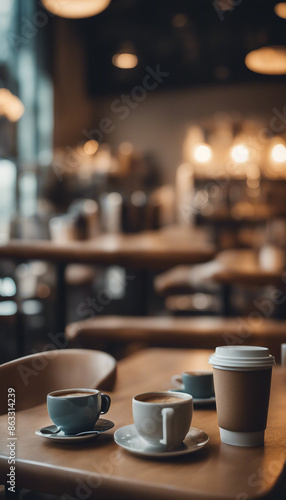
(193, 332)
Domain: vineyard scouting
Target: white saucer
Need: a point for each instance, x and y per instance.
(102, 425)
(198, 401)
(127, 437)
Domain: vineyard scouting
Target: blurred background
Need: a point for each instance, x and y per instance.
(123, 116)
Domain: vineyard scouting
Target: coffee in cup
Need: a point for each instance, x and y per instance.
(72, 394)
(162, 399)
(197, 383)
(161, 419)
(76, 410)
(242, 378)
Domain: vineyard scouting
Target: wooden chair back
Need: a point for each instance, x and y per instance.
(34, 376)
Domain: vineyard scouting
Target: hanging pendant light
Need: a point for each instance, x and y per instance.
(267, 60)
(280, 10)
(202, 153)
(126, 58)
(75, 9)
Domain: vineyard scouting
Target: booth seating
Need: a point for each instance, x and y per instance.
(120, 335)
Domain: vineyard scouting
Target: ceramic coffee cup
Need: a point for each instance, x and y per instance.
(76, 410)
(163, 419)
(198, 383)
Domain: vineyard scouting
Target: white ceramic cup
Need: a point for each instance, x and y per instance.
(111, 212)
(165, 422)
(62, 228)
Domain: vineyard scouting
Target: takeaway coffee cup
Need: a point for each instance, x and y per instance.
(242, 378)
(76, 410)
(198, 383)
(162, 418)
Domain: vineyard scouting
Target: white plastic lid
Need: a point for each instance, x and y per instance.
(246, 357)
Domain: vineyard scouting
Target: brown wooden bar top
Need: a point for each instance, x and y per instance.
(159, 249)
(100, 469)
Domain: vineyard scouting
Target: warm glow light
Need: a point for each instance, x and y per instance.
(253, 172)
(90, 147)
(126, 148)
(278, 153)
(227, 5)
(125, 60)
(267, 60)
(75, 9)
(253, 183)
(10, 106)
(240, 153)
(202, 153)
(180, 20)
(280, 10)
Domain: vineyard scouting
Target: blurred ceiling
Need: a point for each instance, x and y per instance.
(199, 42)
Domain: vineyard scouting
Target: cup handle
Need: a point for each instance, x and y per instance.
(105, 403)
(167, 414)
(177, 382)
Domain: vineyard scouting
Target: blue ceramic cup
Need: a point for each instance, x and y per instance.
(76, 410)
(197, 383)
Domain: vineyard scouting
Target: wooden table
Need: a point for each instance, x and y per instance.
(149, 250)
(100, 469)
(114, 333)
(146, 250)
(229, 221)
(242, 267)
(229, 268)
